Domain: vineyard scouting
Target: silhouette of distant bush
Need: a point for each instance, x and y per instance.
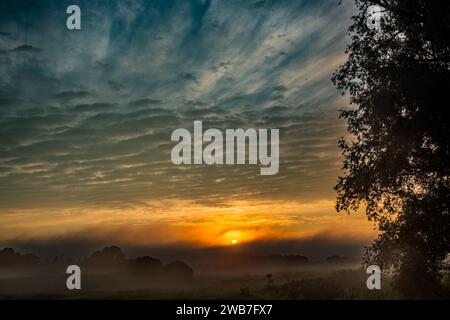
(108, 258)
(336, 259)
(145, 265)
(285, 259)
(178, 270)
(9, 258)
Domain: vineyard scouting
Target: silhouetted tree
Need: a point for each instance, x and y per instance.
(60, 262)
(336, 259)
(397, 158)
(108, 258)
(178, 270)
(282, 259)
(145, 265)
(11, 259)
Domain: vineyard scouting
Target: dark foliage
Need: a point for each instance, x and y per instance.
(178, 270)
(9, 258)
(109, 260)
(145, 265)
(396, 159)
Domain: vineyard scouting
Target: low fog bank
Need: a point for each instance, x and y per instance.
(112, 269)
(315, 248)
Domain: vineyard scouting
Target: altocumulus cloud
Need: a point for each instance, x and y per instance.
(86, 116)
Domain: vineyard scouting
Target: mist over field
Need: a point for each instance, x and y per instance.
(213, 273)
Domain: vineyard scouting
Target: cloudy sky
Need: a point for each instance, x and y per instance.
(86, 118)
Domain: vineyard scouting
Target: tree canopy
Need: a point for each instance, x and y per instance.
(396, 156)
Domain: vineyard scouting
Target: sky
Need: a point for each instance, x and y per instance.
(86, 118)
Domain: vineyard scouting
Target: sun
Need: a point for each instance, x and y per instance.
(234, 242)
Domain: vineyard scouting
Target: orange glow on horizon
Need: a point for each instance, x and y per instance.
(185, 222)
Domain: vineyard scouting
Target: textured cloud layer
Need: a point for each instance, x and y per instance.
(86, 116)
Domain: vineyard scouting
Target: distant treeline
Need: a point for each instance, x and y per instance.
(284, 259)
(113, 260)
(107, 260)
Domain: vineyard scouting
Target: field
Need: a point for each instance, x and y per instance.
(314, 281)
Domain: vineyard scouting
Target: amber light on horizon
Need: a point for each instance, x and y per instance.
(232, 224)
